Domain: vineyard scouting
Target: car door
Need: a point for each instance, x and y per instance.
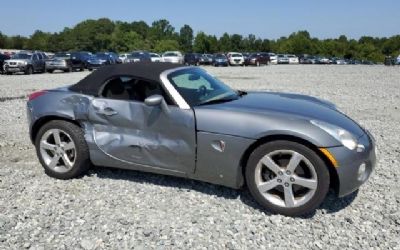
(35, 62)
(131, 132)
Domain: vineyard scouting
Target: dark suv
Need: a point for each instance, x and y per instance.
(2, 59)
(192, 59)
(79, 59)
(27, 62)
(257, 59)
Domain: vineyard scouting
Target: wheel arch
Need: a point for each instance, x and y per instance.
(45, 119)
(334, 179)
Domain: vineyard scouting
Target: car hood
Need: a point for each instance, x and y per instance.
(17, 60)
(291, 105)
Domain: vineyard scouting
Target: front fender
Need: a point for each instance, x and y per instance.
(254, 125)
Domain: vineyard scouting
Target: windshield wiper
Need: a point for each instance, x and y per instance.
(241, 92)
(215, 101)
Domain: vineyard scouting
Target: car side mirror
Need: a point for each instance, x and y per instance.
(153, 100)
(157, 100)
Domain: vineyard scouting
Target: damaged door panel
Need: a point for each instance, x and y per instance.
(133, 132)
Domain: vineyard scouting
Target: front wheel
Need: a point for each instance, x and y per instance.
(29, 70)
(62, 150)
(287, 178)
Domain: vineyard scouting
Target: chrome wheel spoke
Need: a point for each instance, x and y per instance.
(47, 146)
(294, 162)
(69, 146)
(270, 164)
(54, 161)
(56, 135)
(266, 186)
(289, 196)
(308, 183)
(66, 160)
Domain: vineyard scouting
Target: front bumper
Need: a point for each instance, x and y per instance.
(221, 63)
(349, 163)
(94, 66)
(14, 69)
(57, 67)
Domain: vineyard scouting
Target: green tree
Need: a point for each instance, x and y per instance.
(201, 43)
(166, 45)
(38, 41)
(225, 43)
(186, 38)
(161, 30)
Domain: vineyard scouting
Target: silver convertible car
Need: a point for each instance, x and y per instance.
(287, 149)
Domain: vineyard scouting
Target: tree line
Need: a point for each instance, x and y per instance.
(106, 35)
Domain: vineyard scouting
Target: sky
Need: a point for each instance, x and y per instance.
(263, 18)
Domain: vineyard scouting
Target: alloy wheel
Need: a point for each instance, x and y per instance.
(286, 178)
(58, 150)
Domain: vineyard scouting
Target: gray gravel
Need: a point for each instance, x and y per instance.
(118, 209)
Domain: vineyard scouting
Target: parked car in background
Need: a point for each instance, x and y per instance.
(246, 55)
(235, 59)
(139, 56)
(273, 58)
(307, 59)
(172, 57)
(322, 60)
(26, 62)
(155, 57)
(257, 59)
(97, 61)
(293, 59)
(192, 59)
(220, 60)
(123, 57)
(106, 58)
(341, 62)
(79, 59)
(206, 59)
(282, 59)
(116, 57)
(3, 57)
(60, 61)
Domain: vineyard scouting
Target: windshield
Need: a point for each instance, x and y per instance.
(236, 55)
(197, 87)
(220, 56)
(62, 55)
(154, 55)
(103, 56)
(170, 54)
(21, 56)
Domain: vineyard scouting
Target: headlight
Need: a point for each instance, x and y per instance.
(342, 135)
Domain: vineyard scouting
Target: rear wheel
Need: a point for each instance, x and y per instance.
(287, 178)
(62, 150)
(29, 70)
(50, 71)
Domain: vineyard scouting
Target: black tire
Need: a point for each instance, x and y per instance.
(69, 70)
(29, 70)
(50, 71)
(320, 168)
(82, 161)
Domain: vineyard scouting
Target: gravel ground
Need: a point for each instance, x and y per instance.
(119, 209)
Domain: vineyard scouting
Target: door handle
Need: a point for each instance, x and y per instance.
(107, 111)
(101, 108)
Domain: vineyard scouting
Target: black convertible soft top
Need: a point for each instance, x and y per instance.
(151, 71)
